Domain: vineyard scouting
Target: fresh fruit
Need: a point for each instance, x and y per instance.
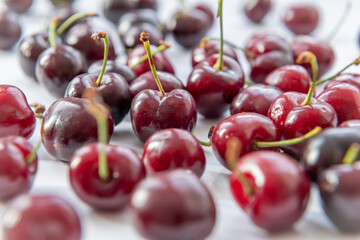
(19, 6)
(256, 10)
(10, 30)
(301, 19)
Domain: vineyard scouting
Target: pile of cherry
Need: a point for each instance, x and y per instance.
(281, 135)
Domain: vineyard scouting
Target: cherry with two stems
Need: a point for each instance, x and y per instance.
(112, 87)
(215, 81)
(153, 110)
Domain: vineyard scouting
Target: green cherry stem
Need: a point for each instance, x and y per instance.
(351, 154)
(219, 65)
(339, 24)
(144, 38)
(309, 57)
(68, 22)
(160, 48)
(97, 110)
(312, 133)
(52, 31)
(32, 155)
(97, 37)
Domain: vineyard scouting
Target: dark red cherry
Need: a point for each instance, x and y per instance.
(16, 173)
(56, 66)
(113, 89)
(79, 37)
(214, 90)
(289, 78)
(173, 205)
(280, 189)
(151, 112)
(301, 19)
(16, 116)
(173, 148)
(351, 78)
(162, 63)
(248, 128)
(321, 49)
(256, 10)
(114, 9)
(353, 123)
(125, 171)
(147, 81)
(113, 67)
(340, 195)
(40, 217)
(256, 98)
(345, 99)
(209, 47)
(10, 30)
(19, 6)
(67, 126)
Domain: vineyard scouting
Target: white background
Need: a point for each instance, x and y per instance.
(232, 223)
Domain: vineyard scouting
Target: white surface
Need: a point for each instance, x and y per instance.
(232, 223)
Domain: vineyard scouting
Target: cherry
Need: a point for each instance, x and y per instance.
(161, 62)
(189, 27)
(67, 126)
(345, 99)
(19, 6)
(279, 193)
(350, 123)
(289, 78)
(163, 209)
(10, 30)
(18, 166)
(112, 87)
(78, 37)
(147, 81)
(154, 110)
(173, 148)
(256, 98)
(16, 116)
(351, 78)
(113, 67)
(41, 217)
(114, 9)
(256, 10)
(301, 19)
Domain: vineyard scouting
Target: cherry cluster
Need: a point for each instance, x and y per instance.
(281, 135)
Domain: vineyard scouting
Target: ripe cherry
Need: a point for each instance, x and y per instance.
(19, 6)
(301, 19)
(113, 67)
(10, 30)
(351, 78)
(256, 10)
(350, 123)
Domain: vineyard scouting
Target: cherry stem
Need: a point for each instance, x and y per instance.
(32, 155)
(309, 57)
(219, 65)
(68, 22)
(312, 133)
(39, 115)
(183, 4)
(97, 37)
(144, 38)
(205, 144)
(97, 110)
(339, 24)
(355, 62)
(160, 48)
(249, 83)
(351, 154)
(52, 31)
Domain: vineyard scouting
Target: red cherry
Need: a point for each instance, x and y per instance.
(350, 123)
(40, 217)
(351, 78)
(301, 19)
(10, 30)
(280, 189)
(19, 6)
(256, 10)
(173, 148)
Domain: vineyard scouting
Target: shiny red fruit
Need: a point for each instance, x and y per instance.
(301, 19)
(256, 10)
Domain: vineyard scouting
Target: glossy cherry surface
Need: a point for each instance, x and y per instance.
(16, 116)
(113, 67)
(280, 189)
(340, 195)
(350, 123)
(125, 171)
(10, 30)
(113, 89)
(173, 148)
(130, 39)
(41, 217)
(301, 19)
(163, 209)
(248, 128)
(147, 81)
(16, 174)
(256, 10)
(150, 112)
(214, 90)
(351, 78)
(19, 6)
(57, 66)
(67, 126)
(256, 98)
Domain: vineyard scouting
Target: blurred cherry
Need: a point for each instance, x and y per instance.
(256, 10)
(10, 30)
(301, 19)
